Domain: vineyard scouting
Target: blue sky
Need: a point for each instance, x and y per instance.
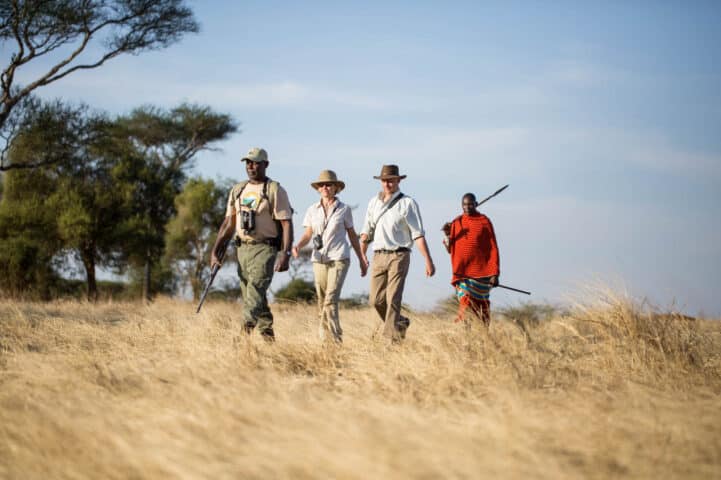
(604, 118)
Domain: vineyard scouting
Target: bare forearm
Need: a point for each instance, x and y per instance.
(353, 238)
(364, 244)
(423, 248)
(305, 238)
(225, 232)
(287, 238)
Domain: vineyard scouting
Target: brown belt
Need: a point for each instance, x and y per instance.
(398, 250)
(273, 242)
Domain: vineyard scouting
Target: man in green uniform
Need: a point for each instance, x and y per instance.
(259, 215)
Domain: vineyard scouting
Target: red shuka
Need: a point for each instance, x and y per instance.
(474, 252)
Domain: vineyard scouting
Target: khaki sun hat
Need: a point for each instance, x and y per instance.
(328, 176)
(256, 155)
(389, 171)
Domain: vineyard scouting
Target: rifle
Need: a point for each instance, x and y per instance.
(213, 271)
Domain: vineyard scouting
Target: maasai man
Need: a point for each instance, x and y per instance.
(471, 241)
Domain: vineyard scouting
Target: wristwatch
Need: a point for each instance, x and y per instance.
(288, 252)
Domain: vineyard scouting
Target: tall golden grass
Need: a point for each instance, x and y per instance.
(607, 390)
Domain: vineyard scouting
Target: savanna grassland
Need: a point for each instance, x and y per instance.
(119, 391)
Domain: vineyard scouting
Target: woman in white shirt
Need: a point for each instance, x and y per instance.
(328, 224)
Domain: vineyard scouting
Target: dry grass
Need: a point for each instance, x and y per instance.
(129, 391)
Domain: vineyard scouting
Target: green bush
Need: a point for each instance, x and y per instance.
(297, 290)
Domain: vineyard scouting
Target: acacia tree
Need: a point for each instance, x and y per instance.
(166, 143)
(75, 195)
(191, 233)
(91, 203)
(73, 35)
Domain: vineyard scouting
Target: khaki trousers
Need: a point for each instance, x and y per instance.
(329, 278)
(388, 276)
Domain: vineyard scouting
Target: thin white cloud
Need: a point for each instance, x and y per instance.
(107, 89)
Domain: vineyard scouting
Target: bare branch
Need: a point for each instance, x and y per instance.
(35, 28)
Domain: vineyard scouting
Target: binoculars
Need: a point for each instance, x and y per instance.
(247, 221)
(317, 242)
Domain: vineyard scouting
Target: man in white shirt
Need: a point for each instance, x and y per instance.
(393, 223)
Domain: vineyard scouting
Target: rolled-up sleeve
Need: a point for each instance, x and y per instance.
(348, 218)
(367, 221)
(414, 220)
(283, 210)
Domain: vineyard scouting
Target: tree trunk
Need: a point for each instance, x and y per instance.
(147, 296)
(89, 264)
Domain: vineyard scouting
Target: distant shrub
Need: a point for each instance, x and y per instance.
(297, 290)
(77, 289)
(358, 300)
(529, 313)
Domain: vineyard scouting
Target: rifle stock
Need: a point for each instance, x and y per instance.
(213, 272)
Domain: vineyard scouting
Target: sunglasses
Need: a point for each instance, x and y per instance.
(328, 185)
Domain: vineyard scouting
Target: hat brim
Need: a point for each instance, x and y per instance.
(254, 160)
(388, 177)
(339, 185)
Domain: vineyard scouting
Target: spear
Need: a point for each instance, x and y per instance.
(509, 288)
(492, 195)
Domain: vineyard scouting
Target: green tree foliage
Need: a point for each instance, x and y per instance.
(28, 234)
(110, 191)
(77, 187)
(191, 233)
(165, 144)
(73, 35)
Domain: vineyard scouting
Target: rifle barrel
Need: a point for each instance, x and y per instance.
(207, 287)
(213, 271)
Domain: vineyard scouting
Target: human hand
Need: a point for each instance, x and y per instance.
(446, 228)
(282, 263)
(430, 269)
(295, 251)
(494, 281)
(363, 265)
(214, 260)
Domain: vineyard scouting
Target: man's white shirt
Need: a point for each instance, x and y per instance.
(398, 227)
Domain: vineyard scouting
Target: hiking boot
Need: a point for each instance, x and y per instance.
(403, 325)
(248, 328)
(268, 336)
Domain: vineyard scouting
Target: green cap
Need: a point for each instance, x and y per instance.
(255, 154)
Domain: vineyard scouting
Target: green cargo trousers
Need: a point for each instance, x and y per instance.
(255, 269)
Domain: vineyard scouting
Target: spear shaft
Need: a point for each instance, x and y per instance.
(491, 196)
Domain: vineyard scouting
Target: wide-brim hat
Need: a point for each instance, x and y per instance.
(389, 171)
(256, 155)
(328, 176)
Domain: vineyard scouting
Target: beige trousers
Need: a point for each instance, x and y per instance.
(329, 278)
(388, 276)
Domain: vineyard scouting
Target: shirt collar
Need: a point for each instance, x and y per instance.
(336, 204)
(380, 196)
